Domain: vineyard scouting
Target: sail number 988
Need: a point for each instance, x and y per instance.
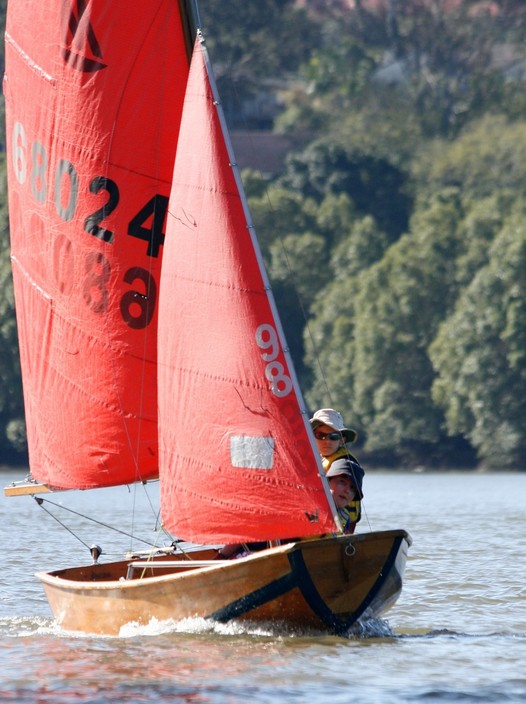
(267, 339)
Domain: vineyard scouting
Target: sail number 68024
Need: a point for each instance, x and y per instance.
(60, 183)
(267, 339)
(31, 163)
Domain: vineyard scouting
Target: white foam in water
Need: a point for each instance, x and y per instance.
(232, 628)
(21, 627)
(195, 626)
(372, 628)
(26, 627)
(153, 628)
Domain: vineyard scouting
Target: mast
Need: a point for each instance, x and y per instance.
(191, 22)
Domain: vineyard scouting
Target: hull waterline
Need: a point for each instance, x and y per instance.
(327, 584)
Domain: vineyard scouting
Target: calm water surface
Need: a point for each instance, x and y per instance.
(457, 634)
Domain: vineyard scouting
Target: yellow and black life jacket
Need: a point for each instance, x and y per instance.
(354, 508)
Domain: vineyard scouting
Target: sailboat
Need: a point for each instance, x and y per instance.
(150, 341)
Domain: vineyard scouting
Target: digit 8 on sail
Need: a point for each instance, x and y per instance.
(267, 339)
(137, 306)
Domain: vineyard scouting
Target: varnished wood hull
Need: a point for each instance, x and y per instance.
(329, 584)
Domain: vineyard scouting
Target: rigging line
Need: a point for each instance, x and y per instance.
(40, 502)
(174, 547)
(156, 512)
(161, 527)
(196, 15)
(151, 556)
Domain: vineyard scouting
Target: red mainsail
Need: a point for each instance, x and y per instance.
(236, 457)
(94, 93)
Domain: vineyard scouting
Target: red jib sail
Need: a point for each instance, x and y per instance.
(94, 93)
(236, 459)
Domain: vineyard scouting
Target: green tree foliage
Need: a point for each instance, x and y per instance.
(12, 426)
(302, 262)
(480, 354)
(442, 66)
(325, 79)
(483, 221)
(329, 334)
(401, 302)
(253, 44)
(278, 212)
(365, 244)
(374, 185)
(486, 159)
(329, 345)
(298, 256)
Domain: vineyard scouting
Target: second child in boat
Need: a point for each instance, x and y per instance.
(345, 481)
(332, 438)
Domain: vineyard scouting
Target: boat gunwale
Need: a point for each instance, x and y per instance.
(56, 579)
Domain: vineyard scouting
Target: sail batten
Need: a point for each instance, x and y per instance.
(236, 458)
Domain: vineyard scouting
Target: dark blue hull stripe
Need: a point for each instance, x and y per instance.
(299, 577)
(257, 598)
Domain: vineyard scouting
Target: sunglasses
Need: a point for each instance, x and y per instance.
(327, 436)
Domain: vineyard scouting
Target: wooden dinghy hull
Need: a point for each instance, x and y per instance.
(327, 584)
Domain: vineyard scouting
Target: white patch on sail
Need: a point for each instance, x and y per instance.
(252, 452)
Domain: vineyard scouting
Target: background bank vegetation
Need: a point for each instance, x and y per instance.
(395, 234)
